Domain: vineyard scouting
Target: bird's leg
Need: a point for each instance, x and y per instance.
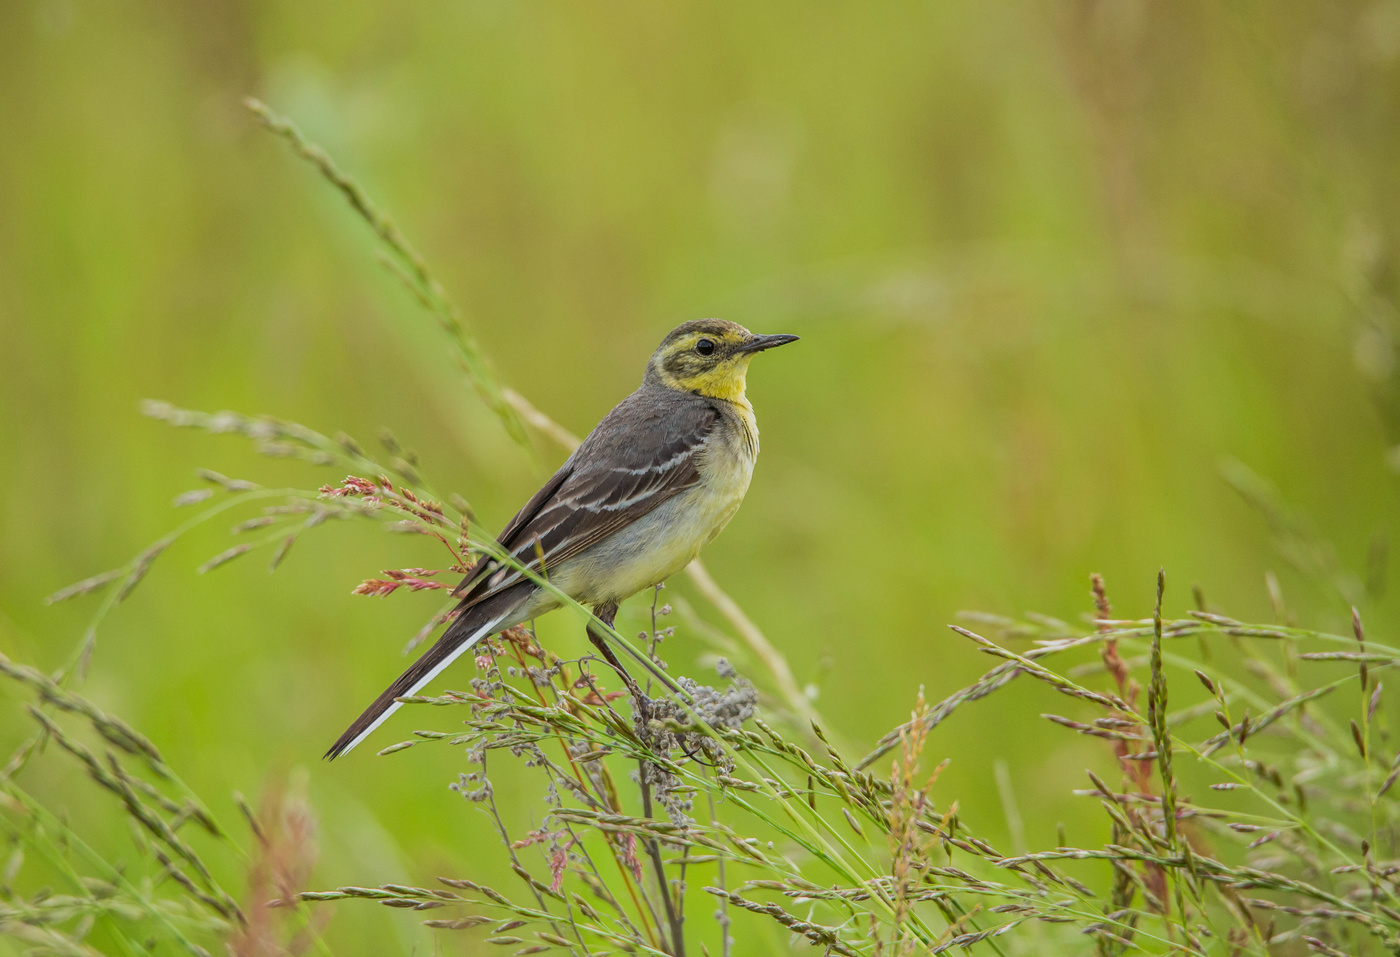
(607, 614)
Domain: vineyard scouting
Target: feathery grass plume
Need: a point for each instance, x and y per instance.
(61, 893)
(405, 262)
(167, 893)
(284, 829)
(1136, 773)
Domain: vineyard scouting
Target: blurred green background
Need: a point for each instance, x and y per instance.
(1051, 263)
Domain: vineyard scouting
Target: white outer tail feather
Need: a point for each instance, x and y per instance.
(487, 629)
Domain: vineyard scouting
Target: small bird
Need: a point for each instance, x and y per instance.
(653, 483)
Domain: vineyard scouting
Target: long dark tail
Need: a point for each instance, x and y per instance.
(474, 624)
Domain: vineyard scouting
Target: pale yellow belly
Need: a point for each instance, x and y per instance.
(662, 542)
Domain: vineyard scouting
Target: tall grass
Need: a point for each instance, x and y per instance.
(1250, 811)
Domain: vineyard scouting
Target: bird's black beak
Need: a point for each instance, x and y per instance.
(759, 343)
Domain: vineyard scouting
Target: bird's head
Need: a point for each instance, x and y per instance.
(709, 357)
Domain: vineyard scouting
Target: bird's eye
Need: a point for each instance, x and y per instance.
(705, 347)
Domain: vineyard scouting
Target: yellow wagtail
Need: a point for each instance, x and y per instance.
(653, 483)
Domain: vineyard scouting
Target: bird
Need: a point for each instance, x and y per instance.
(654, 482)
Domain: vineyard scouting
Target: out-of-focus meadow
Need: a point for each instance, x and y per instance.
(1052, 265)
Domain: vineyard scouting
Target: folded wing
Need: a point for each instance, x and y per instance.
(645, 452)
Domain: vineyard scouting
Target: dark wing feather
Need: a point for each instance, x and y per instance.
(513, 527)
(645, 452)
